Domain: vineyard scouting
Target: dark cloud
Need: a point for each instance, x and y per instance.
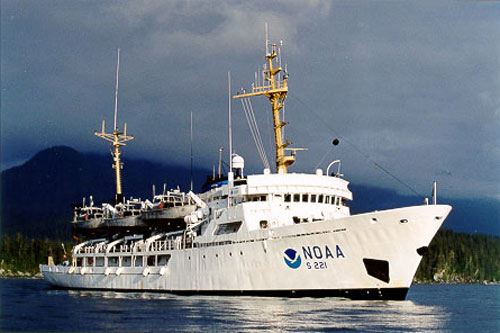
(413, 86)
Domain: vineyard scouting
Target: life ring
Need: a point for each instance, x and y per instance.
(160, 205)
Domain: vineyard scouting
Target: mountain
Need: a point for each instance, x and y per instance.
(36, 197)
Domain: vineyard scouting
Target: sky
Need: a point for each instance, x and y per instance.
(410, 88)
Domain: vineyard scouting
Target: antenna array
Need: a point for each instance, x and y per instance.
(117, 139)
(271, 84)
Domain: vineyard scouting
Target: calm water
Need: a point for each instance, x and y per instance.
(30, 305)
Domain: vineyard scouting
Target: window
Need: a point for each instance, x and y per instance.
(264, 224)
(151, 260)
(288, 197)
(305, 198)
(296, 198)
(138, 261)
(126, 262)
(227, 228)
(313, 197)
(327, 199)
(113, 261)
(99, 262)
(320, 198)
(262, 198)
(333, 201)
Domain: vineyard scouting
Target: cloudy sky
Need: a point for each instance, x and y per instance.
(410, 88)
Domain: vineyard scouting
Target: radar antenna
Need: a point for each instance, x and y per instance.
(275, 88)
(117, 139)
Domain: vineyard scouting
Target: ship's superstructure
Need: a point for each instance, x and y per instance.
(282, 233)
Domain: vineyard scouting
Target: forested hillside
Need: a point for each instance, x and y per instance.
(461, 257)
(20, 256)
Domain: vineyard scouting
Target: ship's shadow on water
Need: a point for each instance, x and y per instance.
(31, 305)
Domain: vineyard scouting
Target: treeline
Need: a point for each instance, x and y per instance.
(461, 258)
(19, 254)
(452, 257)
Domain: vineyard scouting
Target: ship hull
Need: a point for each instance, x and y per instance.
(366, 256)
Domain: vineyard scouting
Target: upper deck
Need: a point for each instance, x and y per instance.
(297, 183)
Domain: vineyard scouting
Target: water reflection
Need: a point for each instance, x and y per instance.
(207, 313)
(30, 305)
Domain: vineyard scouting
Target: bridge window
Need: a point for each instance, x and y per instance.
(296, 198)
(320, 198)
(305, 197)
(313, 197)
(288, 197)
(327, 199)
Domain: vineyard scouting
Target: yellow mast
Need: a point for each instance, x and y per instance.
(275, 89)
(117, 139)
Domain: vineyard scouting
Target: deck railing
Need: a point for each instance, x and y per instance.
(156, 246)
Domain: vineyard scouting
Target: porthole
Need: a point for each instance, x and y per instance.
(403, 221)
(241, 252)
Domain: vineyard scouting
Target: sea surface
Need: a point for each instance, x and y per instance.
(31, 305)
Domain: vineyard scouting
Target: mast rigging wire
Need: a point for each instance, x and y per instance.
(254, 129)
(365, 155)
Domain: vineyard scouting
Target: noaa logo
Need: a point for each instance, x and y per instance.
(292, 258)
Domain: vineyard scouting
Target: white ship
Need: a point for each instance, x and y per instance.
(271, 234)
